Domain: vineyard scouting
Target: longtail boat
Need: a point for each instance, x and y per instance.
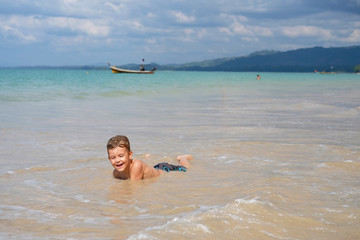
(120, 70)
(323, 72)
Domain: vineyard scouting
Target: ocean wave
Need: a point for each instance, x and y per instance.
(247, 218)
(210, 221)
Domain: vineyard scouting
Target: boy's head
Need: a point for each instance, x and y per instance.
(119, 153)
(118, 141)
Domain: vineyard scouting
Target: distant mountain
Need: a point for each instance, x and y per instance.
(337, 59)
(341, 59)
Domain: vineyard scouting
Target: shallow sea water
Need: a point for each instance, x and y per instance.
(276, 158)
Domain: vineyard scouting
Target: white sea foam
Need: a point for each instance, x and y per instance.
(201, 221)
(10, 212)
(81, 198)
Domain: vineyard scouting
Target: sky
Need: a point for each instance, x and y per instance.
(93, 32)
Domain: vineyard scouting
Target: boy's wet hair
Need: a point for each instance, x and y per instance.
(118, 141)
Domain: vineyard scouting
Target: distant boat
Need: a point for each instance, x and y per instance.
(120, 70)
(323, 72)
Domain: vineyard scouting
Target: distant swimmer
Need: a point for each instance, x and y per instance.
(126, 167)
(258, 77)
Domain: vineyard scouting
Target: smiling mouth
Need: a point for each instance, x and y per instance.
(119, 165)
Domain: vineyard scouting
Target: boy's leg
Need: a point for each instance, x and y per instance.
(184, 160)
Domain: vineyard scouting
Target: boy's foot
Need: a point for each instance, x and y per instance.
(184, 160)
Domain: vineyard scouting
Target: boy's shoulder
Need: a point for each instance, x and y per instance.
(137, 169)
(143, 170)
(137, 163)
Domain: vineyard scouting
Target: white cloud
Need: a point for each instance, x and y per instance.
(203, 32)
(236, 25)
(35, 28)
(239, 28)
(354, 37)
(263, 31)
(19, 29)
(225, 30)
(92, 28)
(189, 31)
(250, 39)
(151, 41)
(182, 18)
(14, 34)
(306, 31)
(188, 35)
(114, 7)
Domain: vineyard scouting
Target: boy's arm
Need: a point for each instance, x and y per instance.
(116, 174)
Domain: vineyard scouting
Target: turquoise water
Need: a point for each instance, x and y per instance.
(276, 158)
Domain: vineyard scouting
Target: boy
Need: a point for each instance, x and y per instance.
(120, 156)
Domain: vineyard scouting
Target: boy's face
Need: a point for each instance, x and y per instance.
(120, 158)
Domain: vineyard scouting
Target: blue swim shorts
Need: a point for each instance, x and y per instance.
(170, 167)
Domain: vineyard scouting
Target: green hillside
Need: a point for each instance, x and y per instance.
(341, 59)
